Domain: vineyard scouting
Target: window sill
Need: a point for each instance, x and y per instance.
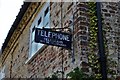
(33, 56)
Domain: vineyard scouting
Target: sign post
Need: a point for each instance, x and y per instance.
(55, 38)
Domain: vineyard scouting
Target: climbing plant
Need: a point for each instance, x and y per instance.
(53, 77)
(78, 74)
(93, 42)
(93, 46)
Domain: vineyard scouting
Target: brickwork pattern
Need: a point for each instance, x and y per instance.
(112, 30)
(48, 61)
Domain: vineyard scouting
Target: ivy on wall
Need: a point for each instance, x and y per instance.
(78, 74)
(53, 77)
(93, 42)
(93, 57)
(93, 46)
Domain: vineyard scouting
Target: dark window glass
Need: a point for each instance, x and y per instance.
(33, 29)
(46, 11)
(39, 21)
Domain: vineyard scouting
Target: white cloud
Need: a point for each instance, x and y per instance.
(8, 11)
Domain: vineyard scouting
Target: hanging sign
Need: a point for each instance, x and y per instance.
(55, 38)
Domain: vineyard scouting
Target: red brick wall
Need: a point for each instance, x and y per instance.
(49, 61)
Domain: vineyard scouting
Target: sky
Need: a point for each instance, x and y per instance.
(9, 9)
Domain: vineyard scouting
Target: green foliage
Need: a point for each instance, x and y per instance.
(93, 47)
(78, 74)
(54, 77)
(93, 43)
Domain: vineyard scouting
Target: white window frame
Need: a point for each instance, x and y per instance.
(44, 20)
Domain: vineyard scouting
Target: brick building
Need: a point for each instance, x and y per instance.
(21, 57)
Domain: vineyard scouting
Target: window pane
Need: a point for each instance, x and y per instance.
(47, 19)
(46, 11)
(33, 29)
(39, 45)
(41, 24)
(39, 21)
(33, 34)
(47, 25)
(33, 48)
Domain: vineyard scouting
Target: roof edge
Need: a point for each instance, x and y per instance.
(15, 24)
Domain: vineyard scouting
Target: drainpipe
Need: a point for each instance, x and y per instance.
(102, 56)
